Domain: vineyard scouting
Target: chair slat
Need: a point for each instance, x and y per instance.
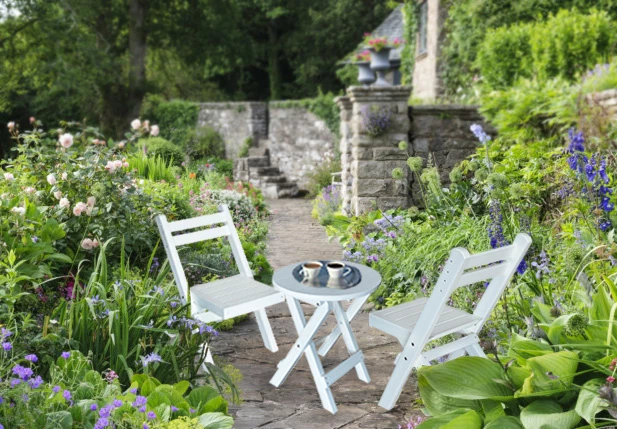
(488, 257)
(196, 222)
(481, 274)
(206, 234)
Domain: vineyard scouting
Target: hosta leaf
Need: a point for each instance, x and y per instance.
(546, 414)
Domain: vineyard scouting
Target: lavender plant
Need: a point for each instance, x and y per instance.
(376, 120)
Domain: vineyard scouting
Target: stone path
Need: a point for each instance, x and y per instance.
(295, 236)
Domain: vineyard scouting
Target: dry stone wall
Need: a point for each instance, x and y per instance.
(235, 122)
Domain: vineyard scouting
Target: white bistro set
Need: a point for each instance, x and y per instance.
(414, 324)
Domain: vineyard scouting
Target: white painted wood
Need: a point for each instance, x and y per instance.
(329, 340)
(344, 367)
(350, 340)
(203, 235)
(416, 323)
(225, 298)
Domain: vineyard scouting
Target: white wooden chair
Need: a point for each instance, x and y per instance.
(220, 299)
(418, 322)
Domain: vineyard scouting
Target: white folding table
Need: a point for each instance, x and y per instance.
(326, 299)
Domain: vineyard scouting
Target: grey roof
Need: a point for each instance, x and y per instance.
(392, 27)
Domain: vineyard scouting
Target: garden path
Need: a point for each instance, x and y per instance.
(295, 236)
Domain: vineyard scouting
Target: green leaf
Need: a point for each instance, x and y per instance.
(157, 398)
(523, 348)
(148, 387)
(493, 410)
(589, 403)
(467, 377)
(545, 414)
(218, 404)
(59, 420)
(201, 396)
(438, 404)
(215, 421)
(182, 386)
(458, 419)
(551, 372)
(506, 422)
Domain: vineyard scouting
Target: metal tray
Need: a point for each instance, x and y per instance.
(347, 281)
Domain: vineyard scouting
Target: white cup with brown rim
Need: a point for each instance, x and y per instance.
(310, 270)
(337, 269)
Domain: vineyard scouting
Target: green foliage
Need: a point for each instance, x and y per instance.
(160, 147)
(505, 55)
(206, 143)
(348, 75)
(246, 145)
(177, 120)
(321, 175)
(153, 167)
(77, 396)
(408, 54)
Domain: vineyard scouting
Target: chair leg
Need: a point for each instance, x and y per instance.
(402, 370)
(475, 350)
(208, 359)
(266, 330)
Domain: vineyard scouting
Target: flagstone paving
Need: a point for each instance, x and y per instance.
(295, 236)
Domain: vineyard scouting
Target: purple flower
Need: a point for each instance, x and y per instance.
(174, 408)
(151, 415)
(145, 426)
(32, 358)
(152, 357)
(117, 403)
(605, 225)
(139, 401)
(133, 390)
(577, 141)
(56, 389)
(191, 410)
(65, 355)
(36, 382)
(94, 407)
(7, 346)
(606, 204)
(101, 423)
(480, 134)
(66, 395)
(15, 382)
(522, 267)
(5, 333)
(142, 409)
(106, 411)
(22, 372)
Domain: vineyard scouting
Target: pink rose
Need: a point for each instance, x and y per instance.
(136, 124)
(64, 202)
(51, 179)
(91, 201)
(154, 131)
(64, 176)
(87, 244)
(29, 190)
(58, 195)
(19, 210)
(32, 119)
(121, 145)
(66, 140)
(8, 176)
(79, 208)
(10, 125)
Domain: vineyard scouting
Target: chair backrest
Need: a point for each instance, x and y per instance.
(463, 269)
(222, 225)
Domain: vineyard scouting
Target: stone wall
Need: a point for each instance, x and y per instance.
(236, 122)
(441, 133)
(298, 141)
(605, 99)
(371, 159)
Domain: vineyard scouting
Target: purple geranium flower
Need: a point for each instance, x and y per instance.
(65, 355)
(32, 358)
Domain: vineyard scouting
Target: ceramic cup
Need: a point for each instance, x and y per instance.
(337, 269)
(310, 270)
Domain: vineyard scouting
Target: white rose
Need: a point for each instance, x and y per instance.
(64, 202)
(10, 125)
(66, 140)
(64, 176)
(19, 210)
(29, 190)
(135, 124)
(154, 130)
(8, 176)
(58, 195)
(51, 179)
(86, 244)
(91, 201)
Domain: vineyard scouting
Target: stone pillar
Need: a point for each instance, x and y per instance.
(258, 121)
(372, 159)
(345, 105)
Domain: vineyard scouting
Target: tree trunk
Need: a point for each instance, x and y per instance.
(274, 69)
(137, 56)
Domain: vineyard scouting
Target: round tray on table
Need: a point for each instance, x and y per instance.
(323, 279)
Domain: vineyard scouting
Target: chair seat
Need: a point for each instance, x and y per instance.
(234, 296)
(400, 320)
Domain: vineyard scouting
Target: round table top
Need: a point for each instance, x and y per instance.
(284, 281)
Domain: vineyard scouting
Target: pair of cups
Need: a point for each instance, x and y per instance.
(336, 270)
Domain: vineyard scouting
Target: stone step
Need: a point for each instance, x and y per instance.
(273, 179)
(258, 161)
(287, 190)
(267, 171)
(259, 151)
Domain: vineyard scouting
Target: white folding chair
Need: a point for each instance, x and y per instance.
(418, 322)
(226, 298)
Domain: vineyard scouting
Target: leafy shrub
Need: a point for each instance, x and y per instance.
(177, 119)
(327, 203)
(153, 167)
(158, 146)
(320, 176)
(205, 142)
(240, 205)
(505, 55)
(246, 145)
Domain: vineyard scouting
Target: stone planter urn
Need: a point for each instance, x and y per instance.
(380, 62)
(366, 75)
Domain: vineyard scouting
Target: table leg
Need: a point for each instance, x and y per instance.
(305, 344)
(350, 340)
(331, 339)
